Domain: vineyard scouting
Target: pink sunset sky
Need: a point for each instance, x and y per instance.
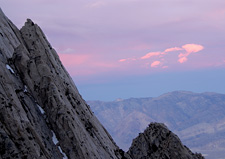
(103, 43)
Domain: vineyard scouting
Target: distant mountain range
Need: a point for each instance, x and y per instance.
(197, 118)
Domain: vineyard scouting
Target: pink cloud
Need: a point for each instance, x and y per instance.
(128, 59)
(191, 48)
(182, 59)
(122, 60)
(149, 55)
(155, 64)
(173, 49)
(186, 49)
(182, 55)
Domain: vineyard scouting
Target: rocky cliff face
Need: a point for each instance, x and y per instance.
(42, 114)
(41, 109)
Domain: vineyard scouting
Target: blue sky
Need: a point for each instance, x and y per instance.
(133, 48)
(206, 80)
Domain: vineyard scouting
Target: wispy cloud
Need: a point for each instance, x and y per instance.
(173, 49)
(155, 64)
(182, 59)
(128, 59)
(149, 55)
(122, 60)
(184, 51)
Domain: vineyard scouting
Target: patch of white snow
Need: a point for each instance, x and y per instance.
(40, 108)
(10, 68)
(25, 89)
(54, 139)
(64, 155)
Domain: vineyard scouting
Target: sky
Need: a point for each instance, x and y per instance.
(133, 48)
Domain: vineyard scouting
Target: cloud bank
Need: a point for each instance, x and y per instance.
(184, 52)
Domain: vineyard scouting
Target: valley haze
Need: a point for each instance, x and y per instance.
(197, 118)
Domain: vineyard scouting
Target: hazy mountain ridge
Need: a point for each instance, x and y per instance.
(197, 118)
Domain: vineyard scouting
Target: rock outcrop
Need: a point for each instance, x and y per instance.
(158, 142)
(42, 114)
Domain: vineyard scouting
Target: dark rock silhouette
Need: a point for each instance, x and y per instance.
(42, 114)
(157, 142)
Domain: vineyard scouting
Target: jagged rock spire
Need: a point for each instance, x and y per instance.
(39, 101)
(158, 142)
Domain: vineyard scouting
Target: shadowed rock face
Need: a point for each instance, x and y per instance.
(42, 114)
